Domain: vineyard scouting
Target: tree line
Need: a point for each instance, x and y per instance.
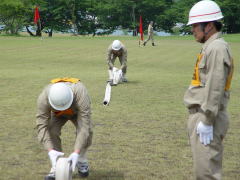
(98, 17)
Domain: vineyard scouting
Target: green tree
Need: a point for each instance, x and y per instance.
(13, 14)
(125, 14)
(54, 15)
(230, 10)
(231, 13)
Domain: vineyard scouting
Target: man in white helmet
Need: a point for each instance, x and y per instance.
(208, 94)
(117, 49)
(62, 100)
(150, 34)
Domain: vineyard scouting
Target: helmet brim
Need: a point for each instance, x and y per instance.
(116, 49)
(199, 21)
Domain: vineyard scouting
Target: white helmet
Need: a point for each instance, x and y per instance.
(60, 96)
(204, 11)
(116, 45)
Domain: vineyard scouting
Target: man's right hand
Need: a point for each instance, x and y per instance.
(53, 155)
(205, 133)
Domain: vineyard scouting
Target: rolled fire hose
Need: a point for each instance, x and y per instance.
(117, 76)
(107, 95)
(63, 169)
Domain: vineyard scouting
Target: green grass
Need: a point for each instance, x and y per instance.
(141, 135)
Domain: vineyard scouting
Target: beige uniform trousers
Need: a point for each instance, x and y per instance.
(150, 37)
(208, 159)
(123, 63)
(55, 126)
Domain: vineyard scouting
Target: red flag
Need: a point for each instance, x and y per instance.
(36, 15)
(140, 28)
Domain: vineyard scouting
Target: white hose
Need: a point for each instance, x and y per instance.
(63, 169)
(117, 76)
(107, 95)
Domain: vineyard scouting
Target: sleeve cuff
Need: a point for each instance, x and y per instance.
(48, 145)
(206, 119)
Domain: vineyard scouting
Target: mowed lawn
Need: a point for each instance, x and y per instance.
(141, 135)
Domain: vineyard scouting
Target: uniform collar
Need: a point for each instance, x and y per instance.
(211, 39)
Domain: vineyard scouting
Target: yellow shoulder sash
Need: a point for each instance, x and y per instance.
(65, 79)
(196, 78)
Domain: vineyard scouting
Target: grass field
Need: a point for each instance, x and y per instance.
(141, 135)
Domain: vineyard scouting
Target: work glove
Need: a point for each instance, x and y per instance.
(74, 159)
(110, 73)
(205, 133)
(114, 69)
(54, 155)
(120, 75)
(120, 72)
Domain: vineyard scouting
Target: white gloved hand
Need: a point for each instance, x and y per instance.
(110, 73)
(114, 69)
(53, 155)
(120, 75)
(74, 159)
(205, 133)
(115, 76)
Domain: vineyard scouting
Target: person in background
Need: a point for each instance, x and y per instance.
(150, 34)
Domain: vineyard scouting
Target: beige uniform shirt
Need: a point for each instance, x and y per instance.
(150, 29)
(121, 54)
(81, 112)
(209, 88)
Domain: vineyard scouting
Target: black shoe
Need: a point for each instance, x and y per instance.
(153, 44)
(50, 176)
(83, 169)
(144, 44)
(110, 81)
(124, 80)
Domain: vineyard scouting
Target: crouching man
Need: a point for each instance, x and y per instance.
(62, 100)
(117, 49)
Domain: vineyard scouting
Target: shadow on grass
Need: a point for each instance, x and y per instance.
(131, 82)
(102, 175)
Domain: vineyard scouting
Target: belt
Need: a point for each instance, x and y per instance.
(194, 109)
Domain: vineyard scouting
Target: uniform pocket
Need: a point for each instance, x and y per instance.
(192, 122)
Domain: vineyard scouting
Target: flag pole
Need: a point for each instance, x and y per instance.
(40, 27)
(140, 31)
(37, 20)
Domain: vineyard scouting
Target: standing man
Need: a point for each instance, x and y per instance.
(208, 94)
(117, 49)
(150, 34)
(62, 100)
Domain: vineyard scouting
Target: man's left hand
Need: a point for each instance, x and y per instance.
(74, 159)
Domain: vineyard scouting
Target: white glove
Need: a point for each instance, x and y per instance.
(53, 155)
(110, 73)
(120, 75)
(114, 69)
(115, 76)
(74, 159)
(205, 133)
